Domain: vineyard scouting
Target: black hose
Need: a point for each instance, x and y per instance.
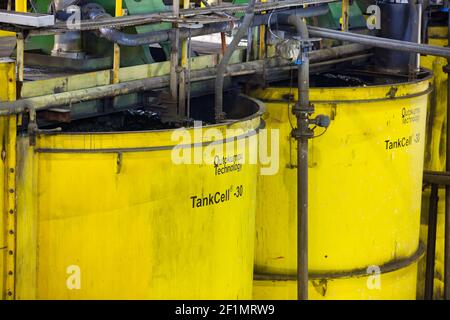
(221, 68)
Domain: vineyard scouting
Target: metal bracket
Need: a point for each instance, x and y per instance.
(306, 46)
(298, 109)
(304, 131)
(33, 129)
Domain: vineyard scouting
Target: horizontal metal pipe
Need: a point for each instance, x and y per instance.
(134, 40)
(320, 64)
(380, 42)
(390, 266)
(337, 52)
(72, 97)
(131, 40)
(436, 177)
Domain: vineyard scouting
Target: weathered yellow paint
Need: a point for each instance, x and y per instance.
(99, 78)
(7, 34)
(119, 8)
(7, 78)
(364, 198)
(344, 15)
(8, 188)
(435, 147)
(435, 152)
(437, 32)
(400, 284)
(21, 6)
(116, 56)
(262, 38)
(125, 218)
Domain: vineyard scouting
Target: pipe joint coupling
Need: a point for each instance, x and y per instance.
(299, 109)
(302, 133)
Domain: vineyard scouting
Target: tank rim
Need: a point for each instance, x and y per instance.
(429, 75)
(387, 267)
(229, 122)
(265, 96)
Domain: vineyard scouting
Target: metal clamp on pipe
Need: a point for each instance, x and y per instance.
(303, 108)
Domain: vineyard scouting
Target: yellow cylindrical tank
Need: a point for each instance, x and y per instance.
(7, 181)
(435, 152)
(365, 178)
(118, 215)
(7, 34)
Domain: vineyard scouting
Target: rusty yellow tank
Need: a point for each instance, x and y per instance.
(113, 215)
(365, 179)
(435, 154)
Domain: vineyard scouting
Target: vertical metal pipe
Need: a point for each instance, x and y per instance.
(419, 30)
(222, 67)
(20, 57)
(431, 242)
(174, 55)
(248, 56)
(223, 38)
(302, 110)
(182, 80)
(189, 68)
(447, 190)
(302, 190)
(416, 34)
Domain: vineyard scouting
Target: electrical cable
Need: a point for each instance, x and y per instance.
(290, 98)
(33, 6)
(324, 131)
(270, 27)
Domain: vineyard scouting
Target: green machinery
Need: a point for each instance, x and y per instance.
(99, 51)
